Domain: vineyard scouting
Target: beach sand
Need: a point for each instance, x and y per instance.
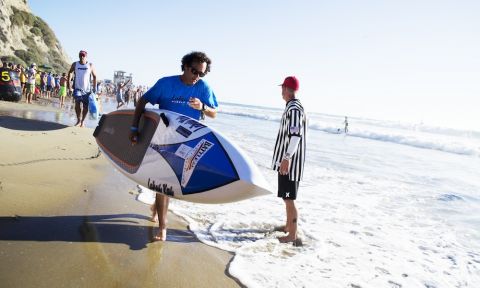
(69, 219)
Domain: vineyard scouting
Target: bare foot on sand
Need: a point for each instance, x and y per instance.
(161, 236)
(77, 124)
(297, 242)
(81, 124)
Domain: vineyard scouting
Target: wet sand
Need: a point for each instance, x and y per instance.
(68, 219)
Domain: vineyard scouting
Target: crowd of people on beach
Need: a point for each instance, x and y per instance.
(41, 83)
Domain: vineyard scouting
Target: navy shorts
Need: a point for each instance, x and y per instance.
(80, 97)
(287, 189)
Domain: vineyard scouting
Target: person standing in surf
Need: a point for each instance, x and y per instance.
(187, 94)
(289, 155)
(84, 73)
(346, 125)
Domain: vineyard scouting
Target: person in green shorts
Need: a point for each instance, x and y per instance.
(62, 92)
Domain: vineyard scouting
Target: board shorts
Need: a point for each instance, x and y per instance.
(120, 98)
(62, 92)
(30, 88)
(81, 96)
(287, 189)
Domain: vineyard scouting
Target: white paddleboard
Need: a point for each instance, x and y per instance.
(179, 157)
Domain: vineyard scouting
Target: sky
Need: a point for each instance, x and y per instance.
(411, 61)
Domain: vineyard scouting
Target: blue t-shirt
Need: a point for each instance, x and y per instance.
(170, 93)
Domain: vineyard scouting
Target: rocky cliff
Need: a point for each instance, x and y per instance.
(26, 38)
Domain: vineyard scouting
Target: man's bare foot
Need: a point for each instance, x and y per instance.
(161, 236)
(297, 242)
(281, 228)
(81, 124)
(78, 123)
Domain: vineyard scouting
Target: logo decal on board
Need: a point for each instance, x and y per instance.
(192, 159)
(188, 126)
(159, 187)
(183, 151)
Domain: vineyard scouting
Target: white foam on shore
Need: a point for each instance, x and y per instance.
(371, 213)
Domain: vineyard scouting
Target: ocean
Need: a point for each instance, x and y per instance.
(389, 204)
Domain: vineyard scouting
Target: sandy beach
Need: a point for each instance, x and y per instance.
(68, 219)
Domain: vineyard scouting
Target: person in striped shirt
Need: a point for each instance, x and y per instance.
(289, 156)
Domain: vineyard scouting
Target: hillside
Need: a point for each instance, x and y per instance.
(26, 38)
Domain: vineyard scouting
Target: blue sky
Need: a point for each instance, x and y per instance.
(414, 61)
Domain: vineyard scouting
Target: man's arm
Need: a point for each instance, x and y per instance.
(136, 119)
(94, 74)
(72, 68)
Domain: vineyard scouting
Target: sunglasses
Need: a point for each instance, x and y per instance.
(197, 73)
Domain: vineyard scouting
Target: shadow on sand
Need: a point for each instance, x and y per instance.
(15, 123)
(119, 228)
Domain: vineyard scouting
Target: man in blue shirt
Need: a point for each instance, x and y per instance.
(187, 94)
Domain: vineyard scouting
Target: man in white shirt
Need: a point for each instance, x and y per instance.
(84, 72)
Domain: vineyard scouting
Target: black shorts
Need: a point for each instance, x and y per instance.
(287, 189)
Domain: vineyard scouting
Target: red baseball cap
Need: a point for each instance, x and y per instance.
(82, 52)
(291, 82)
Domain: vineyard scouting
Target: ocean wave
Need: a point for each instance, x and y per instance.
(446, 145)
(459, 142)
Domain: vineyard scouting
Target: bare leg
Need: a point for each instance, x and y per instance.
(162, 209)
(77, 111)
(153, 208)
(84, 114)
(291, 227)
(283, 228)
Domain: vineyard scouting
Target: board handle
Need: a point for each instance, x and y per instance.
(164, 119)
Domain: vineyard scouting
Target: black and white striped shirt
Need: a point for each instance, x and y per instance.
(293, 123)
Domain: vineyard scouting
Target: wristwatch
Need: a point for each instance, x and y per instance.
(287, 156)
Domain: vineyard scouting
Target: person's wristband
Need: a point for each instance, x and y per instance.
(204, 107)
(287, 156)
(133, 129)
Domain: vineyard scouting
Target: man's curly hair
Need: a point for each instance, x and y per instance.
(196, 57)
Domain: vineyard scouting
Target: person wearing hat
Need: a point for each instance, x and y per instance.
(289, 156)
(84, 73)
(31, 77)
